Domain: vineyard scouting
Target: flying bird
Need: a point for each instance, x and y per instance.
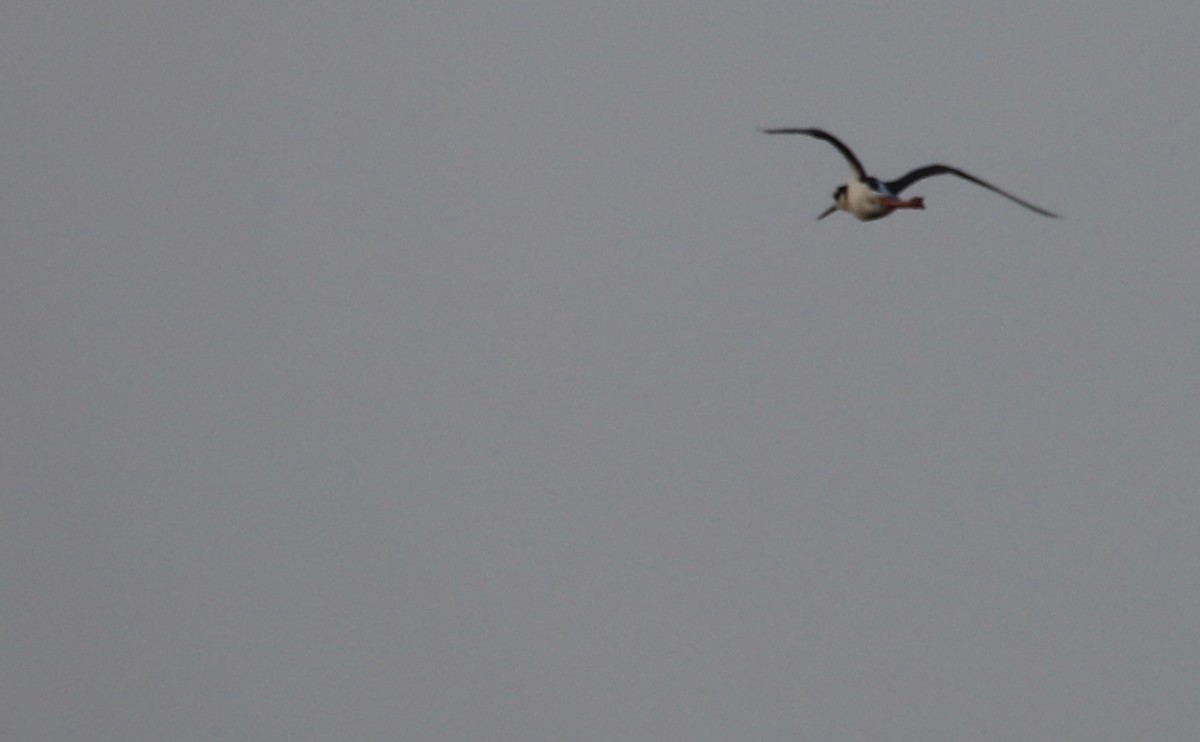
(870, 198)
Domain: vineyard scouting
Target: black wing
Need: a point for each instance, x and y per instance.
(855, 165)
(921, 173)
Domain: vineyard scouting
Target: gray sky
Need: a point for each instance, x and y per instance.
(477, 371)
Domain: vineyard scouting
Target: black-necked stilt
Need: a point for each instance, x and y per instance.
(870, 198)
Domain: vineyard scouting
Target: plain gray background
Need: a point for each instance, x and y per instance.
(477, 371)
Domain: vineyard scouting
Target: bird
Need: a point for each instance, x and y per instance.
(869, 198)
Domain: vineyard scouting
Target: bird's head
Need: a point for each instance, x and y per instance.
(839, 200)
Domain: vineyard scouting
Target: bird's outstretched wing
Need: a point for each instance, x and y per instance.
(921, 173)
(855, 165)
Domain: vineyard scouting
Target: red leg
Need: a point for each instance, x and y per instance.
(916, 202)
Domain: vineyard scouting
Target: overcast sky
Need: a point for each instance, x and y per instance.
(476, 371)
